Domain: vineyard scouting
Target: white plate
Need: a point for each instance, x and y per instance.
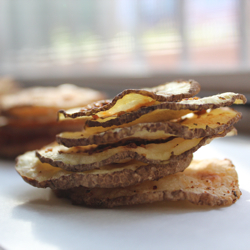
(35, 219)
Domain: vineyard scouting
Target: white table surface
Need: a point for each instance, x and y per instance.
(32, 218)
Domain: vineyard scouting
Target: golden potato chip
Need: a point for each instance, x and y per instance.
(196, 126)
(210, 182)
(44, 175)
(133, 99)
(169, 110)
(82, 159)
(157, 115)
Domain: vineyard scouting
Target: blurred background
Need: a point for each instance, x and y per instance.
(111, 45)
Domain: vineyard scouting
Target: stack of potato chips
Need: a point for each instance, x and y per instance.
(138, 148)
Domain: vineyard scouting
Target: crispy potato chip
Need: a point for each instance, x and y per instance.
(133, 99)
(44, 175)
(210, 182)
(157, 115)
(39, 103)
(199, 125)
(169, 110)
(82, 159)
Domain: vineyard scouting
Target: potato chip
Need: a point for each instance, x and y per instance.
(210, 182)
(199, 125)
(82, 159)
(133, 99)
(44, 175)
(169, 110)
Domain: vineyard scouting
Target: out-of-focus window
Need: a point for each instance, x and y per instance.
(214, 37)
(85, 37)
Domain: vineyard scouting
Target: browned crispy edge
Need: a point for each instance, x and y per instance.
(123, 178)
(90, 109)
(107, 104)
(131, 116)
(173, 128)
(79, 196)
